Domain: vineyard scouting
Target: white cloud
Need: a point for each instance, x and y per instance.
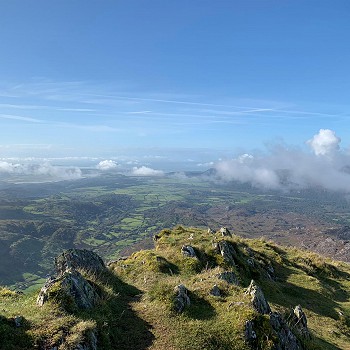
(145, 171)
(325, 142)
(206, 165)
(287, 168)
(107, 165)
(255, 174)
(245, 158)
(43, 169)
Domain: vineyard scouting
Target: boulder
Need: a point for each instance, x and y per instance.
(251, 262)
(18, 320)
(258, 299)
(215, 291)
(80, 259)
(228, 276)
(69, 289)
(181, 299)
(188, 251)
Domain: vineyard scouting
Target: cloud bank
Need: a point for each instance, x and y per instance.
(42, 169)
(282, 168)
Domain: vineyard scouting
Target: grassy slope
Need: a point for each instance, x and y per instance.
(137, 310)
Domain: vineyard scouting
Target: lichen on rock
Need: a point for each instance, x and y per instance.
(258, 300)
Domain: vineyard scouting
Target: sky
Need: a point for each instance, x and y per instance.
(196, 82)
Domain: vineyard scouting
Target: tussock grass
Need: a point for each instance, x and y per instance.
(136, 310)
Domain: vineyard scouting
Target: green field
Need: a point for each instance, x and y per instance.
(109, 214)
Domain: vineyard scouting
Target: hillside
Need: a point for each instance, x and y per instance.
(115, 215)
(193, 291)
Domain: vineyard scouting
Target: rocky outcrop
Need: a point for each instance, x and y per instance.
(210, 231)
(188, 251)
(71, 290)
(258, 299)
(286, 338)
(79, 259)
(181, 299)
(227, 251)
(249, 333)
(90, 343)
(299, 322)
(224, 231)
(228, 276)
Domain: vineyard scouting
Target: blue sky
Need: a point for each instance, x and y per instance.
(198, 80)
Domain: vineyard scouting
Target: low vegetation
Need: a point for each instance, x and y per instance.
(138, 308)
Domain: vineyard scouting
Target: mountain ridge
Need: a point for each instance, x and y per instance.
(197, 289)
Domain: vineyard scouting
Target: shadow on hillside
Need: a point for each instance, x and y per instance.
(318, 343)
(119, 327)
(323, 302)
(12, 337)
(200, 309)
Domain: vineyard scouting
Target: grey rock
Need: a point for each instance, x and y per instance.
(215, 291)
(286, 338)
(270, 272)
(258, 299)
(225, 231)
(210, 231)
(182, 299)
(156, 237)
(80, 259)
(250, 261)
(188, 251)
(228, 276)
(227, 251)
(44, 291)
(71, 286)
(90, 343)
(18, 321)
(299, 322)
(249, 251)
(249, 333)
